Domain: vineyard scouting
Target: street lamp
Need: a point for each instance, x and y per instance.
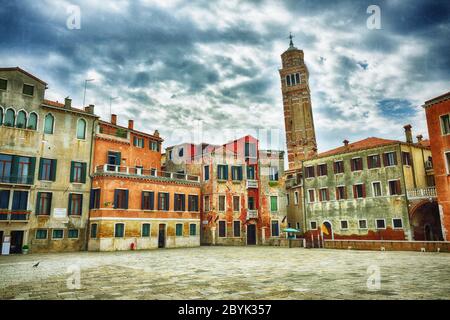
(85, 86)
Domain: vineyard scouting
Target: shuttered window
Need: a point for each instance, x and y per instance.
(222, 229)
(163, 201)
(120, 199)
(78, 172)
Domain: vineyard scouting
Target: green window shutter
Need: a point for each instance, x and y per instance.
(14, 169)
(53, 170)
(38, 200)
(69, 207)
(32, 170)
(126, 199)
(273, 203)
(40, 169)
(226, 173)
(72, 165)
(83, 172)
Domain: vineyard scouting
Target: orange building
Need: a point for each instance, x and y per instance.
(438, 119)
(135, 205)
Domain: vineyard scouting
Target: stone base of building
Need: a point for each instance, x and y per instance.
(116, 244)
(382, 245)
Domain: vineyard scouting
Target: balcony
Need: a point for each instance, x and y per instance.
(17, 179)
(14, 215)
(144, 173)
(252, 214)
(252, 184)
(424, 193)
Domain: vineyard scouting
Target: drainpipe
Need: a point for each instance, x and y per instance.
(303, 198)
(410, 235)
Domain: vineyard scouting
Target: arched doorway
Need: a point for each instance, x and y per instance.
(327, 230)
(426, 221)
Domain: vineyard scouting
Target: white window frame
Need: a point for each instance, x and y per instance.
(204, 171)
(296, 197)
(343, 166)
(354, 190)
(389, 189)
(54, 123)
(373, 189)
(240, 231)
(78, 237)
(326, 194)
(224, 203)
(124, 226)
(310, 225)
(359, 226)
(177, 223)
(340, 224)
(376, 225)
(371, 155)
(278, 202)
(393, 226)
(46, 235)
(321, 164)
(446, 161)
(362, 163)
(271, 230)
(31, 85)
(196, 231)
(391, 165)
(85, 129)
(441, 123)
(306, 169)
(62, 234)
(315, 196)
(6, 84)
(142, 225)
(340, 186)
(90, 231)
(218, 228)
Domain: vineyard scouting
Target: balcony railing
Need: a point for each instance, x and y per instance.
(17, 179)
(252, 214)
(423, 193)
(14, 215)
(133, 171)
(252, 184)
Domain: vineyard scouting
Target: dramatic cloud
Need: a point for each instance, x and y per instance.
(179, 66)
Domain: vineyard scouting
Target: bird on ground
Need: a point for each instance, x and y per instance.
(36, 265)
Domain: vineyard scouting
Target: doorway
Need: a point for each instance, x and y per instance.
(1, 241)
(16, 242)
(162, 236)
(328, 231)
(251, 234)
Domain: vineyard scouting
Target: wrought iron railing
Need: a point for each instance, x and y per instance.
(17, 179)
(14, 215)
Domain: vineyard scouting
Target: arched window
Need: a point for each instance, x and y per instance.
(1, 116)
(10, 118)
(48, 124)
(32, 121)
(21, 119)
(81, 129)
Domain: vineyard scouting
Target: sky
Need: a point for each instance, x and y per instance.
(207, 71)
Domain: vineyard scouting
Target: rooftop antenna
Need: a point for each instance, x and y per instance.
(110, 103)
(85, 86)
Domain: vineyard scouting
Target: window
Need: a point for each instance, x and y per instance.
(47, 169)
(180, 152)
(4, 199)
(298, 225)
(296, 197)
(394, 187)
(49, 124)
(275, 228)
(192, 230)
(179, 230)
(58, 234)
(251, 203)
(120, 199)
(250, 150)
(25, 170)
(179, 201)
(145, 230)
(311, 195)
(78, 172)
(163, 201)
(28, 89)
(344, 224)
(43, 203)
(10, 118)
(406, 158)
(287, 199)
(170, 154)
(341, 193)
(273, 203)
(72, 234)
(380, 223)
(206, 204)
(236, 203)
(356, 164)
(374, 161)
(293, 79)
(222, 229)
(447, 160)
(1, 115)
(250, 172)
(236, 173)
(75, 204)
(309, 172)
(93, 230)
(322, 170)
(390, 159)
(222, 172)
(32, 121)
(138, 142)
(324, 195)
(21, 120)
(154, 146)
(20, 201)
(3, 84)
(237, 228)
(114, 159)
(359, 191)
(206, 173)
(397, 223)
(81, 129)
(222, 203)
(193, 203)
(362, 224)
(273, 173)
(41, 234)
(119, 230)
(313, 225)
(376, 189)
(445, 124)
(95, 199)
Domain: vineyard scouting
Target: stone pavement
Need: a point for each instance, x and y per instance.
(227, 273)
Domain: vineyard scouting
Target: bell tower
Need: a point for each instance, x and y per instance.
(298, 117)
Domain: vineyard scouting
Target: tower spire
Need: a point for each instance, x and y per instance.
(291, 44)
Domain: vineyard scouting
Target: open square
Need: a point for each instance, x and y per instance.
(226, 273)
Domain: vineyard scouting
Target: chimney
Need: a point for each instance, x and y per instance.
(114, 118)
(408, 133)
(156, 133)
(130, 124)
(419, 138)
(346, 142)
(89, 109)
(67, 103)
